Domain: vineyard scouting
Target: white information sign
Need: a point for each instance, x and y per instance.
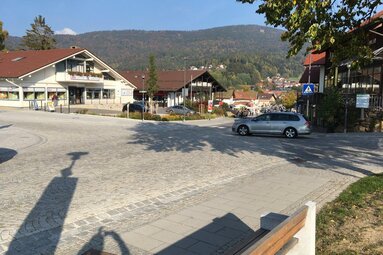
(362, 101)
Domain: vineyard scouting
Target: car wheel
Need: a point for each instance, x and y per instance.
(243, 130)
(290, 132)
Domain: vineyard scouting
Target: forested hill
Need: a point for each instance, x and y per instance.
(250, 51)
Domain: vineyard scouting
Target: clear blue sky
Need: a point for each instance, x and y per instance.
(84, 16)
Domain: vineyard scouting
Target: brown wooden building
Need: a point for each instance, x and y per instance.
(199, 85)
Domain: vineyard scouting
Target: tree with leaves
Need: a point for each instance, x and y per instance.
(152, 81)
(40, 37)
(322, 25)
(289, 99)
(3, 36)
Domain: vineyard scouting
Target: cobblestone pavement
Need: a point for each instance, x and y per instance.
(72, 182)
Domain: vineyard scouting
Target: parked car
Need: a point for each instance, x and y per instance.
(133, 108)
(288, 124)
(179, 109)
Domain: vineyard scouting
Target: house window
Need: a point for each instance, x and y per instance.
(60, 92)
(96, 93)
(372, 41)
(34, 93)
(93, 93)
(108, 77)
(108, 93)
(89, 67)
(7, 93)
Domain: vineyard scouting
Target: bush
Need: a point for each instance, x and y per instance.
(219, 111)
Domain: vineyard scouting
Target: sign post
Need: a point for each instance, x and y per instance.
(362, 102)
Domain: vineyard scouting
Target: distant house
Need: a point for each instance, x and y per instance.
(74, 76)
(199, 85)
(266, 99)
(227, 96)
(245, 95)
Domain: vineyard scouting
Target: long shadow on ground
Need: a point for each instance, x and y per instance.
(325, 152)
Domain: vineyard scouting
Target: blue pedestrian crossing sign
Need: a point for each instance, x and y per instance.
(308, 89)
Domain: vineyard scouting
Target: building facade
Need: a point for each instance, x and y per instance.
(199, 85)
(68, 76)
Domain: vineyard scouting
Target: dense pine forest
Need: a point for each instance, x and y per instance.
(248, 53)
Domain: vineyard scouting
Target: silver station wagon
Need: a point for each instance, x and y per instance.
(288, 124)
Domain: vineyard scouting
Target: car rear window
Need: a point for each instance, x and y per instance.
(293, 117)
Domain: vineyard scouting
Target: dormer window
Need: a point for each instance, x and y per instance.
(89, 67)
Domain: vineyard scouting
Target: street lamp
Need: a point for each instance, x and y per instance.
(184, 92)
(346, 100)
(143, 96)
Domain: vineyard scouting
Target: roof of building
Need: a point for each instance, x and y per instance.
(373, 18)
(265, 96)
(245, 95)
(170, 80)
(15, 64)
(227, 94)
(315, 59)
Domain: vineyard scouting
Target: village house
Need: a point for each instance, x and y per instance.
(364, 80)
(70, 76)
(199, 85)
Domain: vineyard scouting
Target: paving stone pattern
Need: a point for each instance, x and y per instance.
(74, 182)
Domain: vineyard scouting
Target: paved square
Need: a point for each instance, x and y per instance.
(74, 182)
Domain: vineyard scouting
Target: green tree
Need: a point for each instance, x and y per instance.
(329, 109)
(152, 81)
(289, 99)
(3, 36)
(40, 37)
(322, 25)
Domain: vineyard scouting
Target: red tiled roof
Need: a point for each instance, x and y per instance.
(167, 80)
(316, 59)
(374, 17)
(245, 95)
(15, 64)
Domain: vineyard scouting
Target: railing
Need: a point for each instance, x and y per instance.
(78, 76)
(376, 102)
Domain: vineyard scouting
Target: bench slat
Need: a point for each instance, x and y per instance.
(280, 235)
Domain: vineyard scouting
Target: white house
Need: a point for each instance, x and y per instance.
(74, 76)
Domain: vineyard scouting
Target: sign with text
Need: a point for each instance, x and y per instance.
(126, 92)
(362, 101)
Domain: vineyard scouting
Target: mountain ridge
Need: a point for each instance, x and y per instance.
(244, 49)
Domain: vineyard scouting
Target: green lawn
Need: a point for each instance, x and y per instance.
(353, 223)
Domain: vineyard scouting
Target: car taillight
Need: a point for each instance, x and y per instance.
(307, 124)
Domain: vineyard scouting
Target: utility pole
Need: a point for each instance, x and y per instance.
(308, 97)
(346, 100)
(184, 91)
(143, 96)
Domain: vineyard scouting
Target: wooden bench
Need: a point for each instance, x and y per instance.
(280, 234)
